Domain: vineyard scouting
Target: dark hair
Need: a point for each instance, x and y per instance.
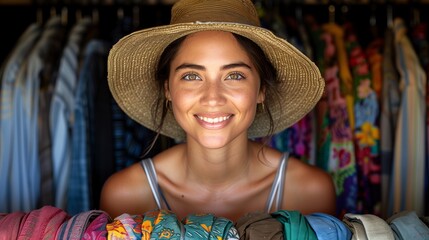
(266, 70)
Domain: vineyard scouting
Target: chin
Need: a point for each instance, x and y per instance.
(212, 142)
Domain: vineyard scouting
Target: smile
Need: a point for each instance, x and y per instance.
(214, 120)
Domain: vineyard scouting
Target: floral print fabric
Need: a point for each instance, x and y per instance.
(164, 224)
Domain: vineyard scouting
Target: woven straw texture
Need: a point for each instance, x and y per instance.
(133, 60)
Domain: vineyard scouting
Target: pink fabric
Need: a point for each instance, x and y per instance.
(54, 224)
(10, 225)
(97, 228)
(39, 222)
(74, 228)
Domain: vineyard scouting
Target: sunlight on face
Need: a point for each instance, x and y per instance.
(214, 88)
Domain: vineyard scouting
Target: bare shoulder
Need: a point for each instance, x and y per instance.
(312, 189)
(127, 191)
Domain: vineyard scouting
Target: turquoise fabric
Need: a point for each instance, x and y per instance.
(295, 225)
(208, 226)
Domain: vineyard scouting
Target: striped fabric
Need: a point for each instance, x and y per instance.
(8, 76)
(93, 67)
(62, 109)
(24, 169)
(390, 101)
(76, 226)
(407, 185)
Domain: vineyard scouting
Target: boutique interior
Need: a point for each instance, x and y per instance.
(376, 148)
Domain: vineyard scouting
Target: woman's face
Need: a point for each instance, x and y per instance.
(214, 88)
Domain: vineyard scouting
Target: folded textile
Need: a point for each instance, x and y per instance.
(74, 228)
(368, 226)
(159, 224)
(164, 224)
(295, 225)
(96, 230)
(10, 225)
(328, 227)
(259, 226)
(208, 226)
(407, 225)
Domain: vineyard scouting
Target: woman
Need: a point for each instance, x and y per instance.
(214, 80)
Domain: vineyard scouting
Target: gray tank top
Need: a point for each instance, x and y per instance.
(276, 193)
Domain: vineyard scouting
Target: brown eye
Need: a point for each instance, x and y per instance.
(235, 76)
(191, 77)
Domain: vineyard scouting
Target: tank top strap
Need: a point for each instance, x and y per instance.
(276, 193)
(150, 171)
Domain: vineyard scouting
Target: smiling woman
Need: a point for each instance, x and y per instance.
(210, 82)
(200, 80)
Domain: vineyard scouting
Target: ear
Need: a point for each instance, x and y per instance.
(167, 90)
(261, 96)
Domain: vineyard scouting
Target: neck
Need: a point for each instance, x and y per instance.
(218, 168)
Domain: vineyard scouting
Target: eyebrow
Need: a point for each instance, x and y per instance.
(200, 67)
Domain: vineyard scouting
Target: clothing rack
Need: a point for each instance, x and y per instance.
(153, 13)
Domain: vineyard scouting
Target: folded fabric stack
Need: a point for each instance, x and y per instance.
(53, 223)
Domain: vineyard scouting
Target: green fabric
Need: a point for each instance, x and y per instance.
(161, 224)
(207, 227)
(295, 225)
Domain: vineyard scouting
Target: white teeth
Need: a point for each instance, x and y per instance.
(214, 120)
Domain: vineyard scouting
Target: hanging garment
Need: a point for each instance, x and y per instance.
(421, 42)
(62, 111)
(321, 117)
(390, 100)
(297, 139)
(25, 170)
(340, 151)
(47, 83)
(9, 73)
(407, 185)
(374, 53)
(366, 132)
(344, 72)
(92, 71)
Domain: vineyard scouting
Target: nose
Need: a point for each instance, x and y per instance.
(213, 94)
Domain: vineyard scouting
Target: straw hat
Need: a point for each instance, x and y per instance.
(133, 61)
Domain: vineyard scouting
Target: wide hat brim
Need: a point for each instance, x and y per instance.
(133, 61)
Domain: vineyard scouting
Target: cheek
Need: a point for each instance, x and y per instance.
(182, 102)
(249, 97)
